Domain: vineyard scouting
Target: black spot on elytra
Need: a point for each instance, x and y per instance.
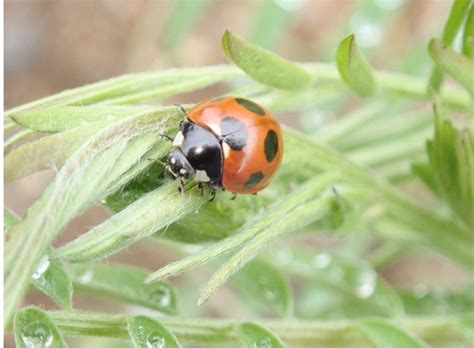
(271, 145)
(233, 133)
(254, 179)
(251, 106)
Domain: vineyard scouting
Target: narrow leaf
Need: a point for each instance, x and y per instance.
(34, 328)
(124, 283)
(451, 28)
(305, 206)
(51, 278)
(146, 332)
(468, 35)
(262, 65)
(252, 335)
(265, 284)
(425, 172)
(48, 152)
(151, 213)
(387, 335)
(247, 232)
(99, 168)
(59, 119)
(458, 66)
(354, 68)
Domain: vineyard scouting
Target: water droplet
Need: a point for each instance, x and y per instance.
(86, 277)
(322, 260)
(37, 335)
(43, 266)
(263, 343)
(366, 284)
(155, 340)
(269, 295)
(161, 294)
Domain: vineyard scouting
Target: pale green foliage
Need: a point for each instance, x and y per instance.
(341, 178)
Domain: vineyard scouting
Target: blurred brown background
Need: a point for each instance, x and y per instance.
(55, 45)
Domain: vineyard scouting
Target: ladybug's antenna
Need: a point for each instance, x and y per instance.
(182, 109)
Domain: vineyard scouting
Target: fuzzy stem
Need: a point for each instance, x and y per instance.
(333, 333)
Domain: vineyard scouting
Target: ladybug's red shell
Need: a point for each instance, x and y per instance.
(253, 145)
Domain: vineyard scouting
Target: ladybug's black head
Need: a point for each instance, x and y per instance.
(178, 165)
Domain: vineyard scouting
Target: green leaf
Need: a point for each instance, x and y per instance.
(451, 28)
(297, 210)
(265, 284)
(264, 66)
(452, 161)
(9, 220)
(124, 283)
(146, 333)
(51, 278)
(58, 119)
(354, 68)
(100, 167)
(252, 335)
(453, 63)
(467, 325)
(265, 220)
(34, 328)
(468, 35)
(48, 152)
(154, 211)
(387, 335)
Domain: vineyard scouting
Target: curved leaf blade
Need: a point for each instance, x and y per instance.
(387, 335)
(264, 66)
(58, 119)
(34, 328)
(146, 333)
(154, 211)
(468, 35)
(458, 66)
(252, 335)
(354, 68)
(124, 283)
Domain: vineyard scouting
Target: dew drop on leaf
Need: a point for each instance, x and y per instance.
(86, 277)
(161, 294)
(366, 284)
(37, 335)
(322, 260)
(43, 266)
(155, 340)
(263, 343)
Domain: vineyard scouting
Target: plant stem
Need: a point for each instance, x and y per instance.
(335, 333)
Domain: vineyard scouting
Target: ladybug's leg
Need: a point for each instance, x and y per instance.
(181, 186)
(166, 137)
(213, 195)
(201, 189)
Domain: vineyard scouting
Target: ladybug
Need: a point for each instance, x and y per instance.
(229, 143)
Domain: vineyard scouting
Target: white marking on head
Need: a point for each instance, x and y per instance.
(201, 176)
(178, 139)
(198, 150)
(182, 171)
(173, 160)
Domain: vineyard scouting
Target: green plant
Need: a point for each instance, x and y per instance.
(347, 182)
